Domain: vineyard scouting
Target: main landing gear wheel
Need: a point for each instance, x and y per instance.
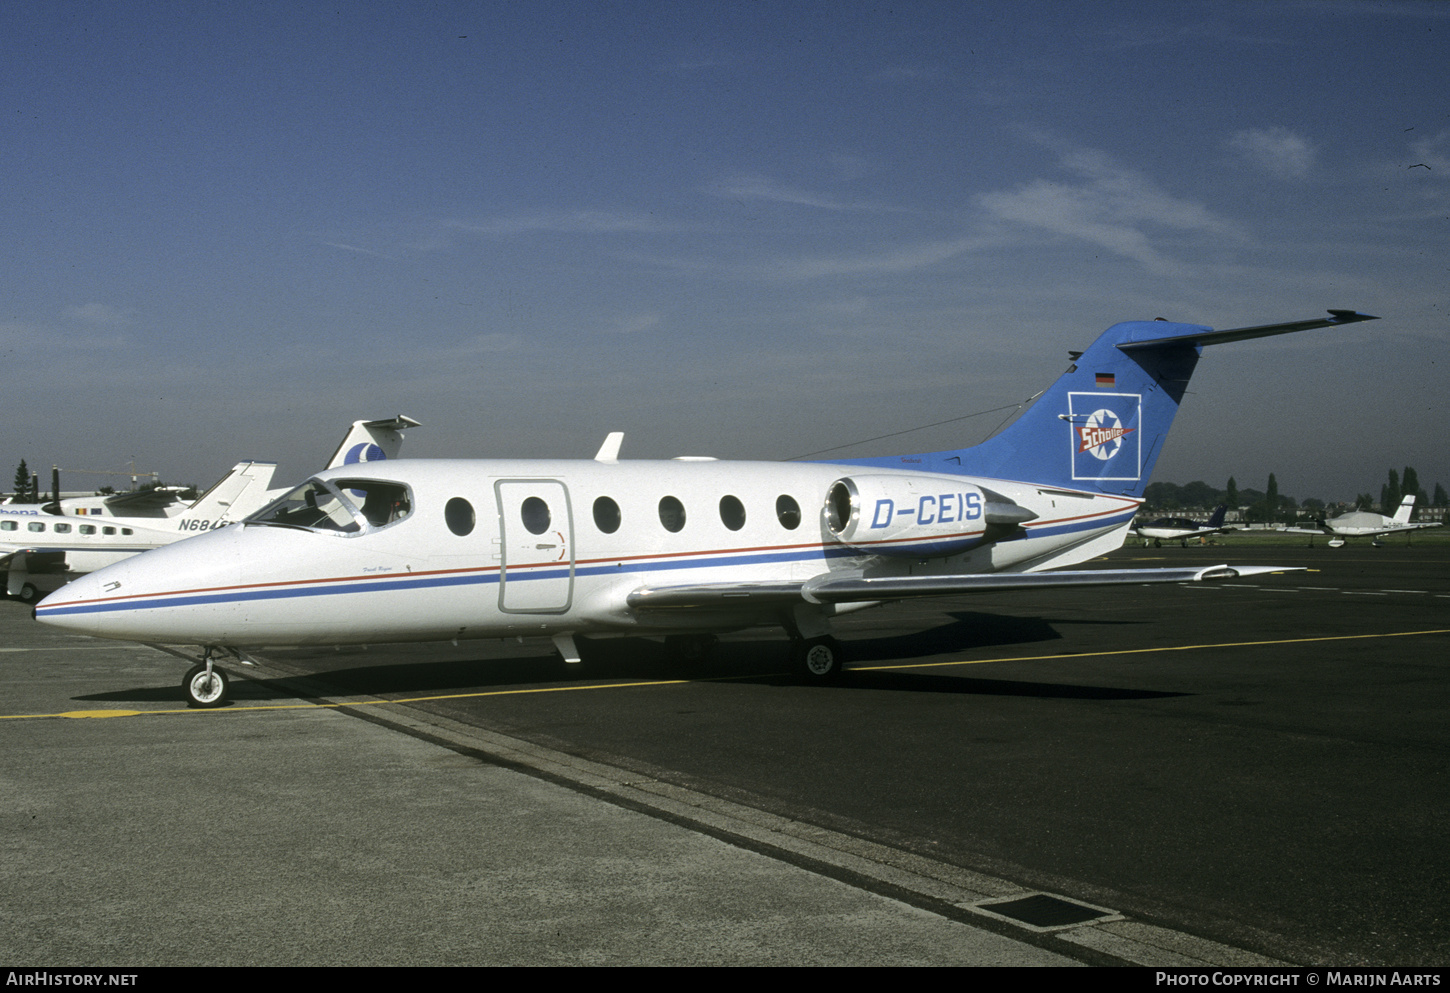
(817, 659)
(203, 688)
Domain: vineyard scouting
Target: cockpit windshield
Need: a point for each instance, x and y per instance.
(346, 506)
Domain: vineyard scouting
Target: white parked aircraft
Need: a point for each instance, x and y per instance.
(1365, 524)
(448, 549)
(42, 551)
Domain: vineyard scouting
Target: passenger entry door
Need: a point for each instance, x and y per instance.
(536, 545)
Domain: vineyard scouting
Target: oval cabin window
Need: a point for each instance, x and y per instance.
(458, 512)
(732, 513)
(672, 514)
(788, 512)
(535, 515)
(606, 515)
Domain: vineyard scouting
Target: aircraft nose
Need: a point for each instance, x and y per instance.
(75, 605)
(148, 597)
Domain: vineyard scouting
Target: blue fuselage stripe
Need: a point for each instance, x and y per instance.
(490, 577)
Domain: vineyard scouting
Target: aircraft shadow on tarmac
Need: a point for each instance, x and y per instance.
(760, 661)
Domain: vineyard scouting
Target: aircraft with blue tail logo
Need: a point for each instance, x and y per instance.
(685, 549)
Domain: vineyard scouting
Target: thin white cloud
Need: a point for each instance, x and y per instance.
(481, 344)
(791, 269)
(755, 187)
(1146, 33)
(562, 222)
(637, 323)
(1112, 206)
(1277, 151)
(750, 186)
(99, 313)
(40, 342)
(357, 249)
(896, 260)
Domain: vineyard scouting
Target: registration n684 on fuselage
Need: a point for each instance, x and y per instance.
(422, 550)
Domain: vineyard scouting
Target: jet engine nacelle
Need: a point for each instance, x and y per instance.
(906, 515)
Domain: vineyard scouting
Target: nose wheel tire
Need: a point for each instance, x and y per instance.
(817, 659)
(205, 689)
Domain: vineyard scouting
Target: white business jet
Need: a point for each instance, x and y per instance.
(421, 550)
(43, 551)
(1365, 524)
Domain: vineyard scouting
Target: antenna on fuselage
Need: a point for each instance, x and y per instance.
(609, 451)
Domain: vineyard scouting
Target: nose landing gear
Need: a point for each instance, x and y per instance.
(205, 685)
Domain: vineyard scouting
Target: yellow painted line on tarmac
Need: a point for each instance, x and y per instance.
(68, 648)
(101, 713)
(678, 682)
(354, 703)
(1165, 648)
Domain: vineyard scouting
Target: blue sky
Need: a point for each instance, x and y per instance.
(749, 230)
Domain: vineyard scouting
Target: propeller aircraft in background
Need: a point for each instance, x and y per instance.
(1365, 524)
(41, 551)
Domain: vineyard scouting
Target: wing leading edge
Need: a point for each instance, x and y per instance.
(859, 589)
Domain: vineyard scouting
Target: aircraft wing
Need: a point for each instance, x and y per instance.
(31, 559)
(1368, 533)
(859, 589)
(153, 499)
(1398, 528)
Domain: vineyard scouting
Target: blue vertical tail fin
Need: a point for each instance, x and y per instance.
(1102, 425)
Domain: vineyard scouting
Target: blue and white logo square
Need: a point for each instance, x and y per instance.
(1105, 436)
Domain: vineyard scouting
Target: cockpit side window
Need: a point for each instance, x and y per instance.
(312, 505)
(344, 507)
(381, 503)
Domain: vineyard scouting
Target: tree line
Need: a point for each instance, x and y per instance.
(27, 485)
(1269, 505)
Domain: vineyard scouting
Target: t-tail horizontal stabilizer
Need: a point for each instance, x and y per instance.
(372, 441)
(1209, 337)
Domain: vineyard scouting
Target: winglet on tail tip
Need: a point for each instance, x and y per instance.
(399, 423)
